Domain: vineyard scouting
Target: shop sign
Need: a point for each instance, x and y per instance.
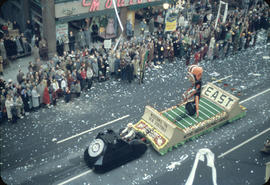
(85, 6)
(108, 44)
(95, 4)
(61, 30)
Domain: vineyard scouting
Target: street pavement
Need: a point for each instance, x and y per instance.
(46, 147)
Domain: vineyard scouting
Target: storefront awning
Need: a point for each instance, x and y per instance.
(145, 5)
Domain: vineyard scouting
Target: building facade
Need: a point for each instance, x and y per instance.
(55, 18)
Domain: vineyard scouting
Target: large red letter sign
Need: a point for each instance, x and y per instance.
(131, 2)
(108, 4)
(85, 4)
(139, 1)
(94, 6)
(120, 3)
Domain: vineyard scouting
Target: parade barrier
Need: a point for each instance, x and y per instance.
(173, 127)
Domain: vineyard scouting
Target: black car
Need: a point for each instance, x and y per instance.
(108, 151)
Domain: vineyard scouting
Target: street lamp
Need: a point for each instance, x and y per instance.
(166, 5)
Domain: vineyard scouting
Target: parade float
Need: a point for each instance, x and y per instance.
(173, 127)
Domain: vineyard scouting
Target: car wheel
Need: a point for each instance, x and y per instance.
(96, 147)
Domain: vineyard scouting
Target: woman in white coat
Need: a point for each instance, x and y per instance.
(35, 97)
(9, 104)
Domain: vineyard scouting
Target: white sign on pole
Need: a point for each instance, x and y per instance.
(107, 44)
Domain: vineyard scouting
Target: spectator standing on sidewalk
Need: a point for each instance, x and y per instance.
(19, 106)
(9, 104)
(87, 36)
(71, 42)
(81, 39)
(3, 51)
(66, 43)
(1, 65)
(35, 97)
(94, 32)
(20, 76)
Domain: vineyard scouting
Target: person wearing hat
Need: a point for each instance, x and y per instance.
(195, 76)
(128, 133)
(266, 148)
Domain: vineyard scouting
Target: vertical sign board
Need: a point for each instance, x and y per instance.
(155, 119)
(108, 44)
(219, 96)
(61, 30)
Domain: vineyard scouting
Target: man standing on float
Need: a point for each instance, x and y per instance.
(195, 76)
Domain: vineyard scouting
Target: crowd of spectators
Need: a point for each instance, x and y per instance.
(70, 72)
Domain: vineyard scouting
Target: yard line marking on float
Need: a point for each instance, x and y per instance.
(254, 137)
(180, 116)
(176, 120)
(245, 142)
(75, 177)
(207, 110)
(187, 115)
(203, 113)
(209, 106)
(265, 91)
(92, 129)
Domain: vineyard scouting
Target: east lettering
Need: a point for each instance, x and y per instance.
(230, 100)
(215, 95)
(131, 2)
(208, 91)
(222, 98)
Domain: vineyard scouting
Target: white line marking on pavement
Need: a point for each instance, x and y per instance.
(75, 177)
(255, 96)
(254, 137)
(245, 142)
(92, 129)
(221, 79)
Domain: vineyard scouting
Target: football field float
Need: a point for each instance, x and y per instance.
(173, 127)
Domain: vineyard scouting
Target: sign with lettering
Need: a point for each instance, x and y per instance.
(108, 44)
(151, 133)
(61, 30)
(85, 6)
(155, 119)
(219, 96)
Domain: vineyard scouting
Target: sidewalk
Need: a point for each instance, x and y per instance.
(11, 70)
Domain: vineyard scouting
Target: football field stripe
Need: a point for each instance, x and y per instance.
(209, 107)
(169, 117)
(182, 121)
(179, 115)
(213, 105)
(206, 110)
(188, 115)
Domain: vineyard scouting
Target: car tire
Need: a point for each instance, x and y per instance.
(96, 148)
